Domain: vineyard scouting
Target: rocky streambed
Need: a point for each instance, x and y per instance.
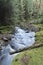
(21, 39)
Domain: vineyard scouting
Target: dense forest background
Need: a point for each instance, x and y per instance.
(16, 11)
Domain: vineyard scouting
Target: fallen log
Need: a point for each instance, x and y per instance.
(28, 48)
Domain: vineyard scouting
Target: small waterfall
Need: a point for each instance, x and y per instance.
(20, 40)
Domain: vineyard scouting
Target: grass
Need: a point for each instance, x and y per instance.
(6, 29)
(35, 55)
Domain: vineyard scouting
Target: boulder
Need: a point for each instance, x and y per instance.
(33, 28)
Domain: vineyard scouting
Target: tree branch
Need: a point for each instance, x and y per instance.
(28, 48)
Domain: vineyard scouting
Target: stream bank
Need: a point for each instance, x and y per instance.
(21, 39)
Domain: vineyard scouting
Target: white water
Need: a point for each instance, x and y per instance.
(21, 39)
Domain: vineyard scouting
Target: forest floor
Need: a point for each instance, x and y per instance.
(35, 56)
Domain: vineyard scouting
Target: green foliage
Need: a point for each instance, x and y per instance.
(14, 11)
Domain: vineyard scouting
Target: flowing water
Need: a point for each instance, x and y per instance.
(21, 39)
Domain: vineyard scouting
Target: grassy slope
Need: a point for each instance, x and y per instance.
(35, 55)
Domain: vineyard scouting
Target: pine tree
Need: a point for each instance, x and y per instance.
(25, 10)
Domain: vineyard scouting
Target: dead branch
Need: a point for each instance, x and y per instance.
(28, 48)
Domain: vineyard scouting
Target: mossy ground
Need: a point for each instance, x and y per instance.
(35, 55)
(6, 29)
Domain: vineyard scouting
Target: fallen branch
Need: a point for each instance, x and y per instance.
(28, 48)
